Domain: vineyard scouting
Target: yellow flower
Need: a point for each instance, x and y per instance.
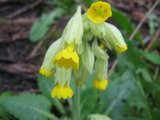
(99, 12)
(121, 49)
(67, 58)
(100, 84)
(64, 92)
(47, 73)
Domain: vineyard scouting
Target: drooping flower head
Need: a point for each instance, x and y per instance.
(67, 58)
(62, 87)
(64, 92)
(100, 84)
(100, 81)
(99, 12)
(71, 37)
(115, 38)
(47, 65)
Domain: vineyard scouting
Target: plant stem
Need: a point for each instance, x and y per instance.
(78, 103)
(59, 106)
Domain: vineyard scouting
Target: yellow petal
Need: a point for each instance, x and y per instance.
(64, 92)
(45, 72)
(121, 49)
(99, 12)
(100, 84)
(67, 58)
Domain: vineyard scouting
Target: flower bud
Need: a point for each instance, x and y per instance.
(115, 38)
(47, 65)
(73, 32)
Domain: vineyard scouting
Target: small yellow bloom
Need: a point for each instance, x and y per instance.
(100, 84)
(99, 12)
(64, 92)
(121, 49)
(67, 58)
(47, 73)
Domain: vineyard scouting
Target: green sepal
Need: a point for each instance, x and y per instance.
(98, 52)
(98, 30)
(87, 58)
(101, 68)
(73, 32)
(114, 36)
(51, 52)
(62, 76)
(81, 75)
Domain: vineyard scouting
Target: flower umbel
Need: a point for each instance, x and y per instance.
(82, 50)
(64, 92)
(67, 58)
(99, 12)
(100, 84)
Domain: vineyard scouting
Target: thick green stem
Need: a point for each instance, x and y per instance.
(78, 103)
(59, 106)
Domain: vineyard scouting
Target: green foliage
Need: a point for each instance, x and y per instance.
(3, 113)
(89, 98)
(66, 5)
(125, 23)
(153, 23)
(45, 85)
(152, 57)
(98, 117)
(41, 26)
(29, 107)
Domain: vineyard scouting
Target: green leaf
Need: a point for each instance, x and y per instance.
(132, 58)
(119, 90)
(98, 117)
(152, 57)
(153, 23)
(125, 23)
(41, 26)
(145, 74)
(88, 101)
(29, 107)
(3, 113)
(45, 85)
(122, 20)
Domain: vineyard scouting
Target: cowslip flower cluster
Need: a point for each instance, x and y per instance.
(82, 50)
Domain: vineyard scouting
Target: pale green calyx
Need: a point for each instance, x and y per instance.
(98, 30)
(81, 75)
(87, 58)
(98, 52)
(62, 76)
(101, 68)
(115, 38)
(73, 32)
(47, 65)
